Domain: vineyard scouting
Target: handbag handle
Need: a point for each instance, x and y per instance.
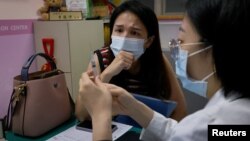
(25, 68)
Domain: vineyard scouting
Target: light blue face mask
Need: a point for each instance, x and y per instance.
(196, 86)
(133, 45)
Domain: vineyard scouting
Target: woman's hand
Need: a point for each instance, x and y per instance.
(98, 102)
(122, 61)
(123, 101)
(96, 97)
(125, 104)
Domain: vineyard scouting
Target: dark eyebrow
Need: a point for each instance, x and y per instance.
(181, 29)
(118, 25)
(137, 29)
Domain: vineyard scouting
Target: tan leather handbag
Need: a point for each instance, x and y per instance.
(40, 100)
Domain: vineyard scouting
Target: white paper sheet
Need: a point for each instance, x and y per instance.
(73, 134)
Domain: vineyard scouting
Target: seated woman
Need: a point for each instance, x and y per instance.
(134, 60)
(211, 51)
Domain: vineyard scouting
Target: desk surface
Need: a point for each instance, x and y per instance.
(133, 134)
(10, 136)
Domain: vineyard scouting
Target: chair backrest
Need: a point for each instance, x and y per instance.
(164, 107)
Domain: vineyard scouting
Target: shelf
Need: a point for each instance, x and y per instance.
(170, 17)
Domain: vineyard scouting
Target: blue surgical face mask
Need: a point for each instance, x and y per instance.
(196, 86)
(133, 45)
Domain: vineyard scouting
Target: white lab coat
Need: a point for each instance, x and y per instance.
(219, 110)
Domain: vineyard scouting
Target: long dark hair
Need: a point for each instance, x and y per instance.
(225, 25)
(152, 63)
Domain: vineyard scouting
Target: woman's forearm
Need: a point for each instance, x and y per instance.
(141, 114)
(105, 76)
(80, 112)
(102, 127)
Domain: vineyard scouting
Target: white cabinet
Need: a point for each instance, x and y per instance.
(74, 41)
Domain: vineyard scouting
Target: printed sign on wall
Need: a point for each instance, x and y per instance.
(16, 38)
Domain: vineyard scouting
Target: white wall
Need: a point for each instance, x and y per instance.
(19, 9)
(168, 31)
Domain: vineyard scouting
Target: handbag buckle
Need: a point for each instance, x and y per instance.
(19, 90)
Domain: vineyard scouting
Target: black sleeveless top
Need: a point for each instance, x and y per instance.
(133, 83)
